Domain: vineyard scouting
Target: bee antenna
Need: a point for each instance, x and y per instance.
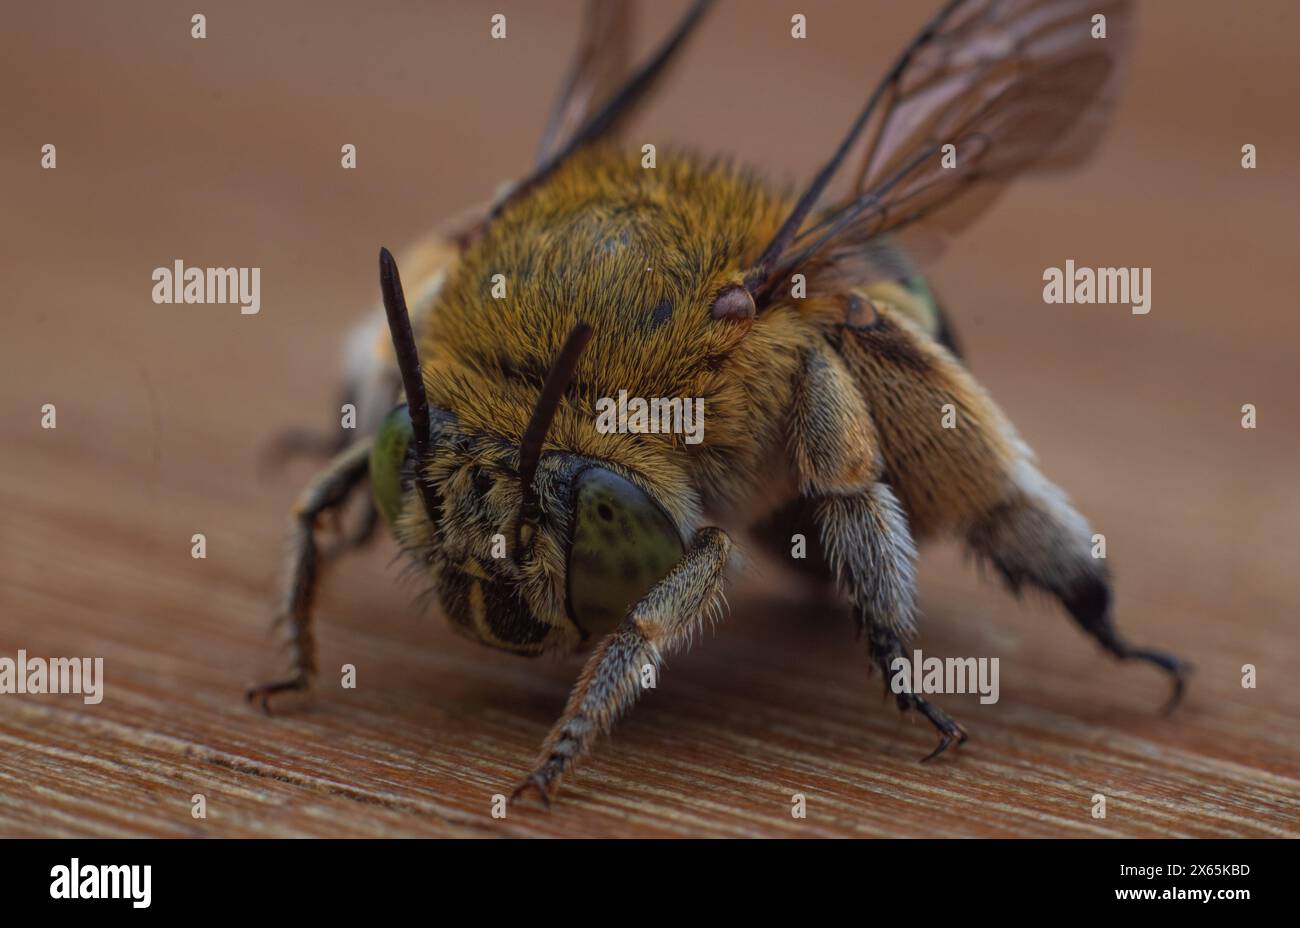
(408, 363)
(530, 447)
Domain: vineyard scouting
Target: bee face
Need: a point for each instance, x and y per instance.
(489, 608)
(600, 544)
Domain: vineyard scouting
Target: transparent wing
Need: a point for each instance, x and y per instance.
(599, 67)
(599, 95)
(992, 89)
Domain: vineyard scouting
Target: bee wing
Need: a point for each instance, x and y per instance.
(1012, 85)
(599, 66)
(581, 116)
(1022, 50)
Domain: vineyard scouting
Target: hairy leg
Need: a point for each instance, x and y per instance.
(868, 545)
(663, 621)
(864, 533)
(327, 491)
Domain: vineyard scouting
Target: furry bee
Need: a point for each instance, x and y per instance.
(823, 357)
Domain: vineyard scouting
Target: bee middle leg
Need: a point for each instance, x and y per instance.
(665, 619)
(866, 540)
(869, 547)
(288, 444)
(327, 491)
(358, 534)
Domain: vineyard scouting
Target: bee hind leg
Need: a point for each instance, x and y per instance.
(327, 491)
(664, 620)
(1036, 537)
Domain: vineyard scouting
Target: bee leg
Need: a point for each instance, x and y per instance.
(327, 491)
(1036, 537)
(290, 443)
(869, 547)
(664, 620)
(866, 540)
(358, 535)
(368, 384)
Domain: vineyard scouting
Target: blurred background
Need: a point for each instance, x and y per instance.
(225, 151)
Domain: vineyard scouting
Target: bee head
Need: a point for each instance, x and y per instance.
(526, 551)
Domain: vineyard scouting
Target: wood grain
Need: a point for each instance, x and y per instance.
(226, 152)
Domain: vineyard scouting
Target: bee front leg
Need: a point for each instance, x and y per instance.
(664, 620)
(327, 491)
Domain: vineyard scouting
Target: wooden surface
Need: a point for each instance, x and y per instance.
(226, 152)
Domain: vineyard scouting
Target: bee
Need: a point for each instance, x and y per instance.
(823, 358)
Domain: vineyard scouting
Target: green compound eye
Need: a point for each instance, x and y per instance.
(386, 459)
(623, 544)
